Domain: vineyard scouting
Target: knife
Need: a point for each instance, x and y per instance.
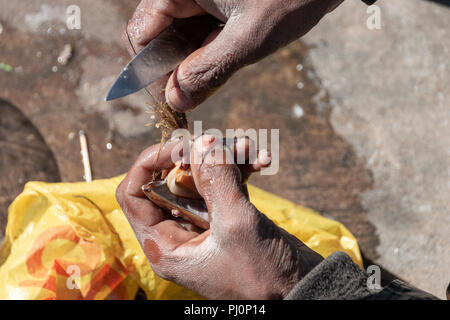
(162, 55)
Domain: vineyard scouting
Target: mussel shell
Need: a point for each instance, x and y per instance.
(191, 210)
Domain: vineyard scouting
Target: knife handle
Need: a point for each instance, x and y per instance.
(195, 29)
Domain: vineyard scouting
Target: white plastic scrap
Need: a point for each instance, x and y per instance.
(297, 111)
(65, 54)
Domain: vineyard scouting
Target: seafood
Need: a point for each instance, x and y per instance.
(181, 183)
(177, 193)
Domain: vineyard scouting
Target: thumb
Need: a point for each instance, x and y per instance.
(219, 183)
(205, 70)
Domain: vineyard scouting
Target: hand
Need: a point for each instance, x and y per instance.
(243, 255)
(253, 30)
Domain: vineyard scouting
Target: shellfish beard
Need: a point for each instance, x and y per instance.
(175, 192)
(168, 121)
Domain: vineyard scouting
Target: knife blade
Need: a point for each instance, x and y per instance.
(162, 55)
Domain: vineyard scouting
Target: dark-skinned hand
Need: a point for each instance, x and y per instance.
(252, 30)
(243, 255)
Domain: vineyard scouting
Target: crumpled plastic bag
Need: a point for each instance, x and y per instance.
(72, 241)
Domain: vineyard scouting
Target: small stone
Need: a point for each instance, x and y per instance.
(65, 54)
(300, 85)
(299, 67)
(55, 69)
(71, 135)
(297, 111)
(108, 146)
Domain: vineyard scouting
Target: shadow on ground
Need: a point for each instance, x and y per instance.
(24, 157)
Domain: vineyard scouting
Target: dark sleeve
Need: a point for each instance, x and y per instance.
(369, 2)
(339, 278)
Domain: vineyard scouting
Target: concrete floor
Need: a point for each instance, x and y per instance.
(364, 137)
(390, 91)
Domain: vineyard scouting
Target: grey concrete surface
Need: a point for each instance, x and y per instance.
(390, 91)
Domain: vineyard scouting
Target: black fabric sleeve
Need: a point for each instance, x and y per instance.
(339, 278)
(398, 290)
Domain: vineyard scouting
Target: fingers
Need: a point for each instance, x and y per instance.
(148, 163)
(153, 16)
(218, 182)
(205, 70)
(141, 212)
(252, 31)
(223, 51)
(157, 235)
(248, 158)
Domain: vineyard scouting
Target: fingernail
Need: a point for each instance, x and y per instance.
(201, 145)
(203, 142)
(178, 100)
(241, 143)
(170, 144)
(264, 157)
(208, 139)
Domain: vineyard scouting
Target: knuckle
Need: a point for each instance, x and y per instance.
(192, 80)
(205, 75)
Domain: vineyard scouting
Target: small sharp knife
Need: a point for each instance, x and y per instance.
(162, 55)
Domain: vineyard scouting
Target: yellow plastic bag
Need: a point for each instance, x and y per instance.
(72, 241)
